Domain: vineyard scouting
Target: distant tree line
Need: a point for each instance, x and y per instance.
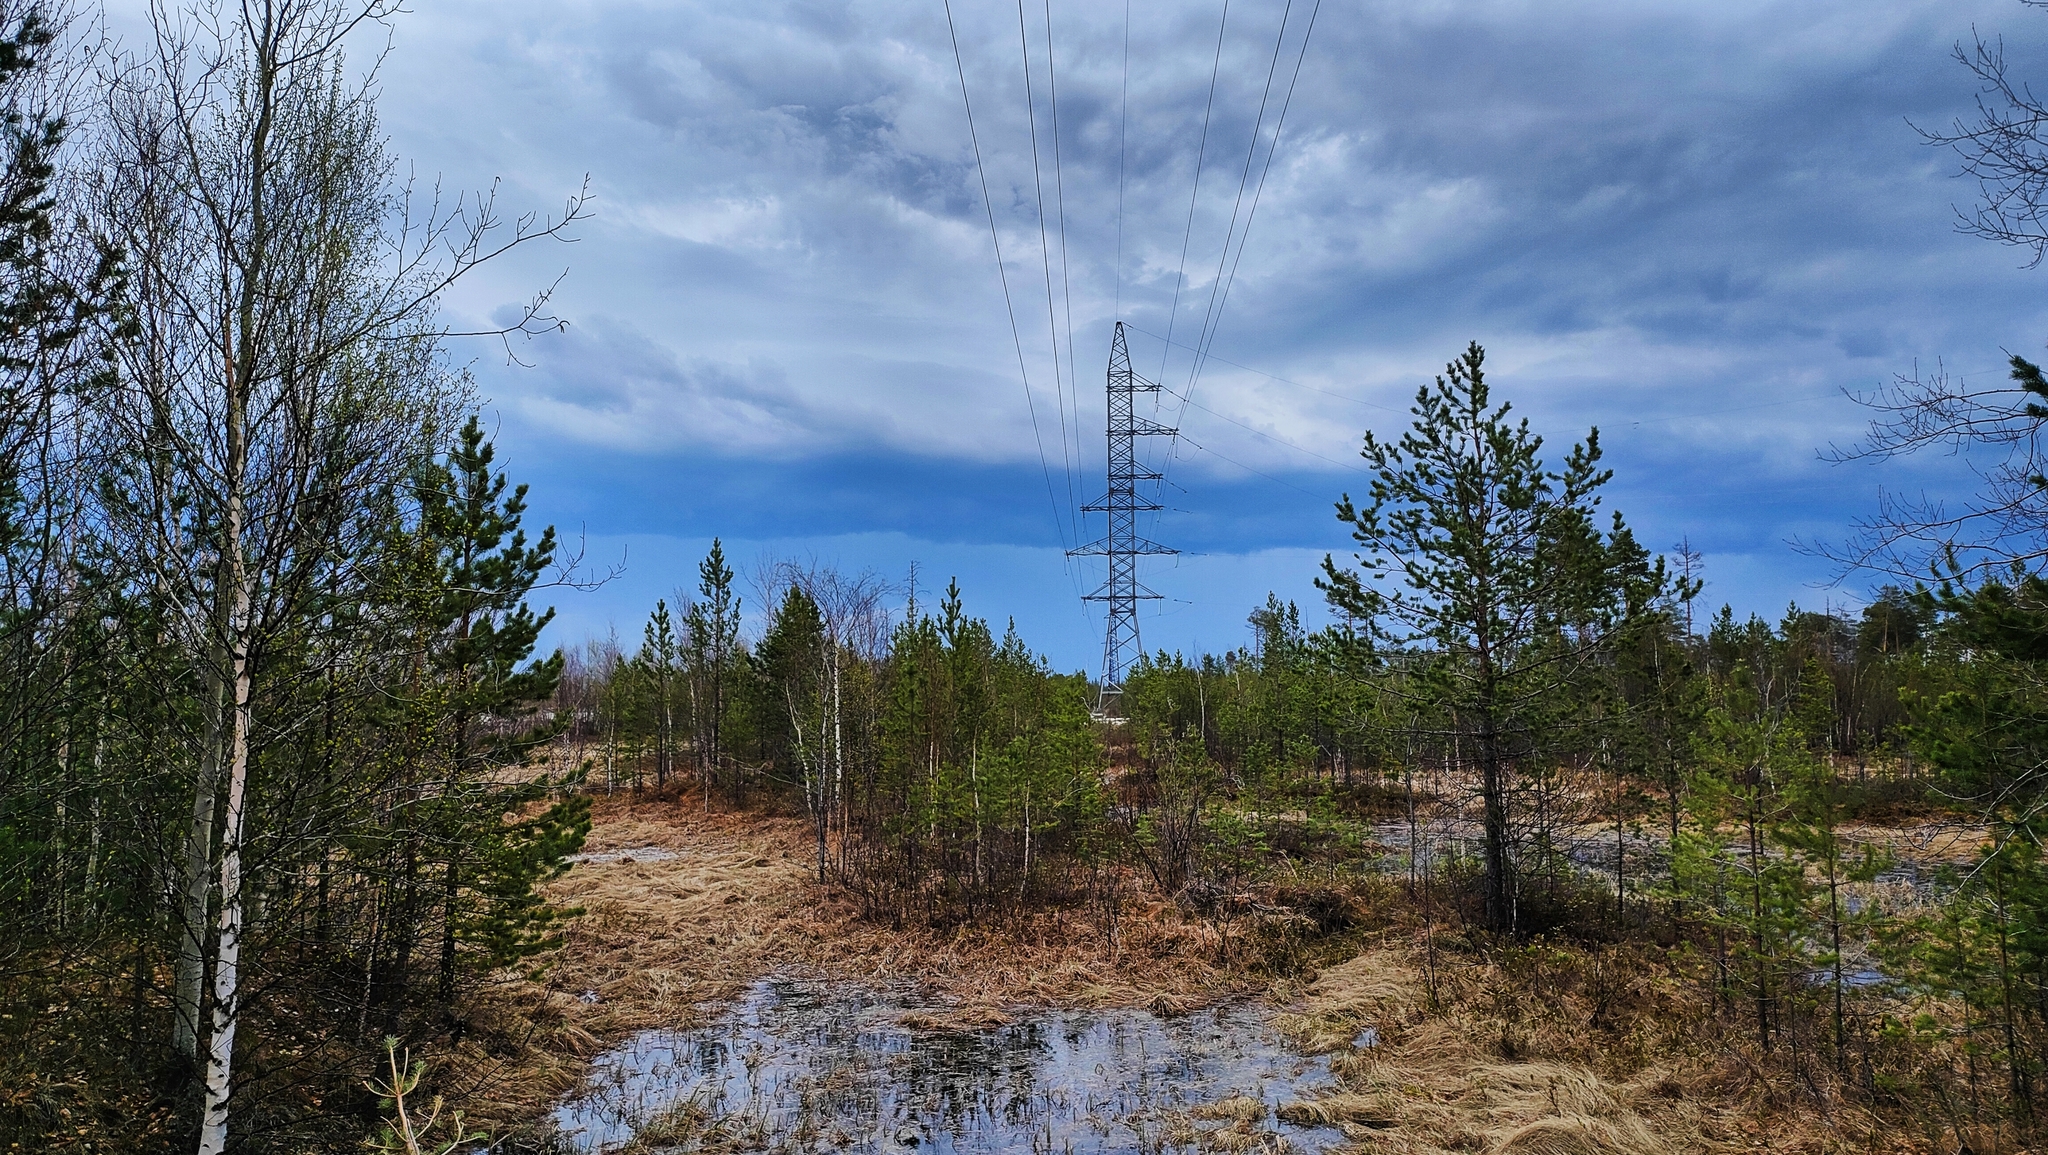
(945, 770)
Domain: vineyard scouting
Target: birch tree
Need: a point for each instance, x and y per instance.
(282, 360)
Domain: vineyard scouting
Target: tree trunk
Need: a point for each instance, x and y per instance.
(451, 879)
(239, 374)
(198, 875)
(838, 763)
(974, 783)
(1756, 913)
(1835, 935)
(1500, 908)
(661, 739)
(451, 890)
(825, 781)
(220, 1052)
(1024, 881)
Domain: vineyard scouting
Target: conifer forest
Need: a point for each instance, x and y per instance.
(313, 837)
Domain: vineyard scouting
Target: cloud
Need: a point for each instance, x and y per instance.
(1691, 224)
(1657, 174)
(607, 383)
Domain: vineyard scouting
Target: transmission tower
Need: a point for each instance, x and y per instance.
(1122, 545)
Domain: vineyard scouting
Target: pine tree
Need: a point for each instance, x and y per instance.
(660, 667)
(1984, 729)
(713, 625)
(484, 632)
(1812, 830)
(794, 689)
(1490, 565)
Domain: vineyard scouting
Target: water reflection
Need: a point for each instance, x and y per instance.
(795, 1067)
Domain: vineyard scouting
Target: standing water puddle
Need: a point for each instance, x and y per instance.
(799, 1067)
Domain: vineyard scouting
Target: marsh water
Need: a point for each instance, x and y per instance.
(798, 1066)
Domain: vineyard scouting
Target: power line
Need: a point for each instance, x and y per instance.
(1201, 153)
(1247, 468)
(1045, 260)
(1251, 152)
(1279, 126)
(1059, 185)
(1208, 356)
(1186, 401)
(995, 237)
(1066, 288)
(1122, 123)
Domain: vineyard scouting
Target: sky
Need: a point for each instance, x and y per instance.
(1700, 227)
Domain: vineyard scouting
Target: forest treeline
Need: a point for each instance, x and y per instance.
(283, 769)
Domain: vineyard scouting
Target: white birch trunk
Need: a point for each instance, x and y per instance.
(198, 879)
(220, 1051)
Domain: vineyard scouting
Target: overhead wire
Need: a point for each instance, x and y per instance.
(1066, 378)
(1277, 440)
(1066, 288)
(1122, 125)
(1229, 261)
(1249, 469)
(1122, 132)
(1201, 154)
(1045, 260)
(1210, 356)
(1059, 185)
(995, 237)
(1251, 153)
(1279, 127)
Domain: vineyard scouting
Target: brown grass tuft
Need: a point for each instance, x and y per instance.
(1579, 1135)
(1377, 1110)
(1237, 1108)
(1374, 987)
(1436, 1082)
(960, 1019)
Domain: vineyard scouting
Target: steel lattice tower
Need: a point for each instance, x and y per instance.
(1122, 545)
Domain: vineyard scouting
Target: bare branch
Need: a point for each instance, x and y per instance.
(1997, 429)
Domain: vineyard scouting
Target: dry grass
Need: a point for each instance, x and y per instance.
(1951, 843)
(661, 934)
(1579, 1135)
(955, 1019)
(725, 898)
(1242, 1131)
(1534, 1057)
(1236, 1108)
(1438, 1081)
